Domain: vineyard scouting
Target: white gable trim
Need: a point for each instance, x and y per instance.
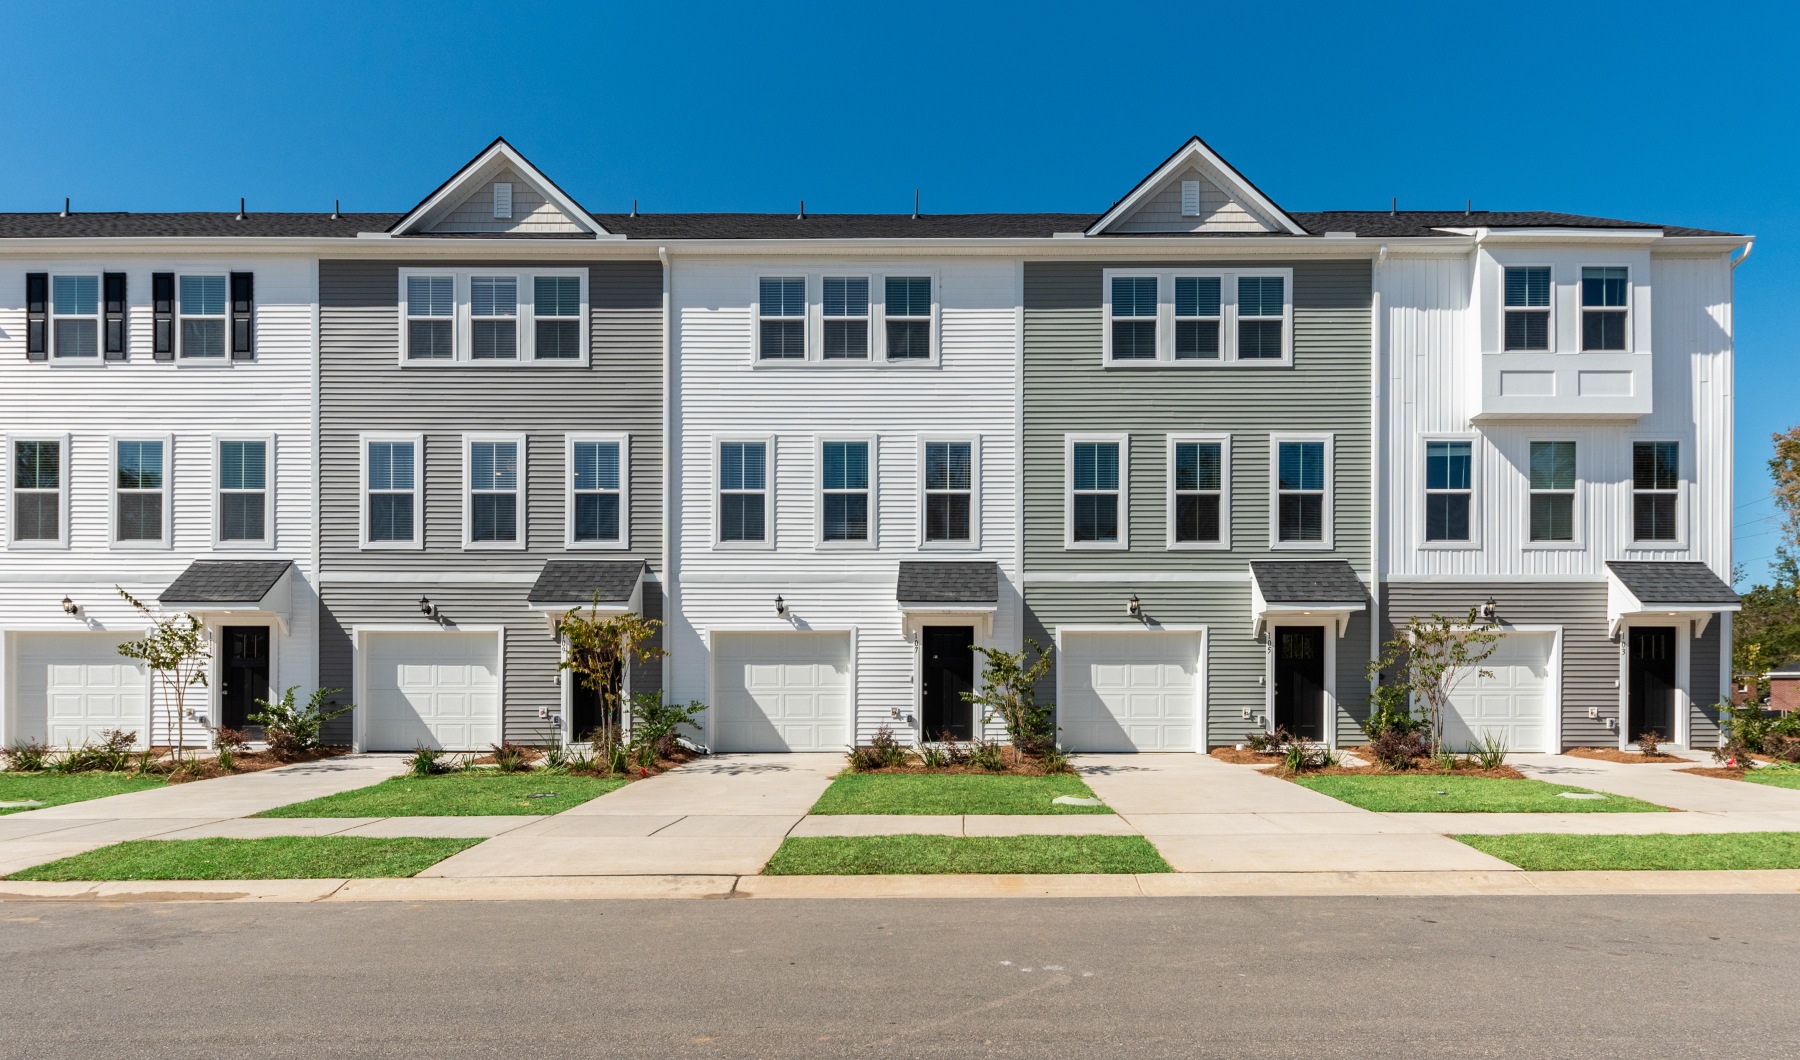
(467, 179)
(1229, 180)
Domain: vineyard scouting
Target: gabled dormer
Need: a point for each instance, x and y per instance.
(499, 192)
(1195, 191)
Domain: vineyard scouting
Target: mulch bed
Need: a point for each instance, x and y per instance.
(245, 762)
(1245, 757)
(1422, 768)
(682, 756)
(1030, 767)
(1720, 772)
(1613, 754)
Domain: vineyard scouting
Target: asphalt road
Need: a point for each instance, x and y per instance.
(1098, 979)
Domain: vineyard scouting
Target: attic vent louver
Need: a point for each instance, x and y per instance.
(1190, 198)
(503, 200)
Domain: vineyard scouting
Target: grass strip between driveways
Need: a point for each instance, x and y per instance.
(1539, 852)
(952, 793)
(277, 858)
(1403, 793)
(1775, 776)
(56, 789)
(912, 855)
(460, 794)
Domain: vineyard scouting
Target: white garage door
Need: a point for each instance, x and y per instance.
(431, 689)
(781, 692)
(1130, 691)
(68, 688)
(1514, 704)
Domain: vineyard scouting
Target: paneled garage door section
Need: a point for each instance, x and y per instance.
(68, 688)
(1514, 704)
(782, 692)
(1133, 691)
(433, 690)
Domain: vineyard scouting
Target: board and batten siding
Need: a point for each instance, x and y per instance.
(1068, 390)
(365, 388)
(721, 392)
(192, 405)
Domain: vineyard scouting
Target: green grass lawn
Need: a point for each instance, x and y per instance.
(471, 794)
(1775, 776)
(905, 855)
(1555, 853)
(1405, 793)
(952, 793)
(280, 858)
(55, 789)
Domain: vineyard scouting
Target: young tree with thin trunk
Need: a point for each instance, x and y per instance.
(1432, 657)
(176, 650)
(596, 649)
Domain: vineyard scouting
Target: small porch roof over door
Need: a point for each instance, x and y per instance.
(1285, 590)
(1682, 591)
(209, 586)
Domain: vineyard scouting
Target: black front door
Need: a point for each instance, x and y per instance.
(1652, 679)
(585, 704)
(948, 671)
(243, 675)
(1300, 680)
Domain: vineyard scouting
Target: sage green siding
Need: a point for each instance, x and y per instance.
(1068, 390)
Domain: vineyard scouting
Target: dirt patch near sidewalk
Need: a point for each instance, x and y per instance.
(1246, 757)
(1613, 754)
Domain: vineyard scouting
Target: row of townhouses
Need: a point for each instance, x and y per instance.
(1210, 450)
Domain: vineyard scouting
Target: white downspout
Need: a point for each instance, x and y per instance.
(1377, 452)
(668, 455)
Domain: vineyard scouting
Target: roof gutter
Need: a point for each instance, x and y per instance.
(1749, 245)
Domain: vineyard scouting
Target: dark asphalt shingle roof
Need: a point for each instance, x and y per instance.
(1666, 583)
(679, 226)
(576, 581)
(234, 581)
(1791, 668)
(923, 582)
(1328, 581)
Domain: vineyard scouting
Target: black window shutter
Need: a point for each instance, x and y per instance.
(37, 316)
(243, 297)
(162, 308)
(115, 316)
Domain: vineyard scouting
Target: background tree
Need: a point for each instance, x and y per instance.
(1766, 633)
(176, 650)
(596, 650)
(1431, 658)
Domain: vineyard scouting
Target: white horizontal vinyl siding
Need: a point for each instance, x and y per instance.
(720, 392)
(193, 406)
(1433, 387)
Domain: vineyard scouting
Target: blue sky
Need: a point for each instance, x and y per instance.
(1652, 111)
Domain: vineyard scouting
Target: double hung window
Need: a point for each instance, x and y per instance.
(597, 511)
(493, 317)
(1134, 311)
(495, 514)
(868, 319)
(1197, 317)
(1527, 307)
(1197, 489)
(430, 318)
(1302, 492)
(1656, 491)
(243, 511)
(201, 301)
(557, 305)
(1261, 315)
(391, 516)
(38, 482)
(1096, 498)
(744, 492)
(75, 316)
(781, 319)
(908, 317)
(1449, 490)
(845, 511)
(1605, 305)
(140, 491)
(949, 492)
(1553, 491)
(846, 318)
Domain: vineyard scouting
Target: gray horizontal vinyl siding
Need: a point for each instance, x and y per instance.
(364, 388)
(531, 680)
(1067, 390)
(1236, 661)
(1705, 687)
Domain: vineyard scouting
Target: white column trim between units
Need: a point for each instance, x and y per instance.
(359, 641)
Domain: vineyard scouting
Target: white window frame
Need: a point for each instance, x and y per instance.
(867, 319)
(1582, 310)
(767, 441)
(813, 319)
(463, 329)
(407, 316)
(1328, 512)
(1577, 542)
(112, 490)
(1123, 440)
(267, 541)
(98, 317)
(1680, 541)
(973, 542)
(1550, 325)
(581, 319)
(819, 489)
(417, 541)
(623, 441)
(181, 355)
(1223, 441)
(1228, 319)
(7, 502)
(1474, 491)
(521, 536)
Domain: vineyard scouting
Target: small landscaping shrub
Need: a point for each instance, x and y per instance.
(229, 743)
(112, 754)
(556, 756)
(1264, 742)
(956, 753)
(1781, 747)
(1056, 760)
(1302, 757)
(426, 762)
(933, 756)
(1391, 712)
(1490, 753)
(1009, 694)
(1395, 749)
(657, 725)
(294, 731)
(28, 756)
(883, 751)
(987, 754)
(511, 757)
(582, 762)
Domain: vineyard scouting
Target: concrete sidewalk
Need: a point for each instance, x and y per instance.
(1660, 783)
